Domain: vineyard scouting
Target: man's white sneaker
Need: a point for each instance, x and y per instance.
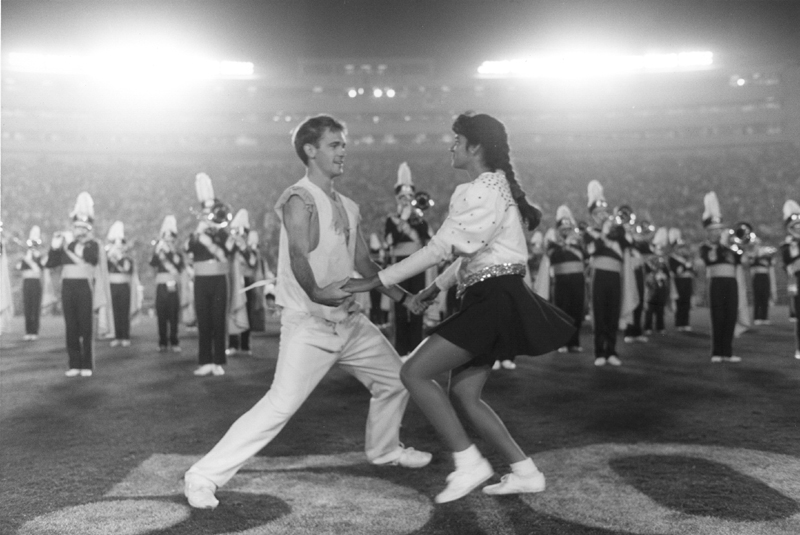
(125, 343)
(408, 458)
(716, 358)
(205, 369)
(509, 365)
(465, 480)
(114, 343)
(218, 370)
(199, 491)
(73, 372)
(614, 360)
(516, 484)
(86, 373)
(600, 361)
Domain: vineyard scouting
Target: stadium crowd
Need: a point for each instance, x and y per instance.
(665, 188)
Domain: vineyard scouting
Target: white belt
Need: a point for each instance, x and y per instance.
(211, 267)
(164, 278)
(759, 269)
(606, 263)
(31, 274)
(721, 270)
(77, 271)
(119, 278)
(568, 268)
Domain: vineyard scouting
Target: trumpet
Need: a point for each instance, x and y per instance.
(740, 236)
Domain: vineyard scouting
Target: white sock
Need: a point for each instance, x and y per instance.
(467, 457)
(524, 468)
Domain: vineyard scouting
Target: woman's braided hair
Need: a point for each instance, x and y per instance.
(489, 133)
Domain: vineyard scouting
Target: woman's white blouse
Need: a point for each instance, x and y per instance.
(483, 229)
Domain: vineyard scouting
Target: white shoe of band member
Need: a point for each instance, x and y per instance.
(716, 358)
(614, 360)
(218, 370)
(125, 343)
(73, 372)
(516, 484)
(509, 365)
(496, 365)
(407, 458)
(465, 480)
(797, 354)
(600, 361)
(563, 349)
(114, 343)
(199, 491)
(205, 369)
(733, 359)
(86, 373)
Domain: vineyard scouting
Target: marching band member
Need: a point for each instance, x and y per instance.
(406, 232)
(32, 267)
(605, 243)
(170, 268)
(637, 256)
(211, 247)
(657, 283)
(6, 297)
(790, 253)
(765, 290)
(721, 262)
(378, 308)
(84, 285)
(243, 268)
(682, 270)
(120, 275)
(567, 257)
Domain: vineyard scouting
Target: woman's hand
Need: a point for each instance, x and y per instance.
(362, 285)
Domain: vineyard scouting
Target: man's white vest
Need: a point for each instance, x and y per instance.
(331, 261)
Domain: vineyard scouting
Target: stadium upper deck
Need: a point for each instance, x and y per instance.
(400, 104)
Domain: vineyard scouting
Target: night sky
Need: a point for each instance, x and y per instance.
(458, 34)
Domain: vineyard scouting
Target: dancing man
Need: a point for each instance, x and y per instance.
(320, 247)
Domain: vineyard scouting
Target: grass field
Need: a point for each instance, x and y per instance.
(666, 444)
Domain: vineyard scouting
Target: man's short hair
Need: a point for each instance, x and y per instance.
(311, 131)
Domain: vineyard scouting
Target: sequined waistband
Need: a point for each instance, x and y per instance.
(489, 272)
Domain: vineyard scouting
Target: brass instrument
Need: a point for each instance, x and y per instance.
(421, 202)
(740, 236)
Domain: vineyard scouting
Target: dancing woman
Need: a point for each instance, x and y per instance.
(500, 316)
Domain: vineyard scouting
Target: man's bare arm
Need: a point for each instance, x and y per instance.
(297, 220)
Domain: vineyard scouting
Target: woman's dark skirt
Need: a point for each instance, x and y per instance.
(501, 318)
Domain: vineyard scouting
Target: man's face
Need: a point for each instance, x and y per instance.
(329, 156)
(599, 215)
(714, 234)
(794, 229)
(79, 231)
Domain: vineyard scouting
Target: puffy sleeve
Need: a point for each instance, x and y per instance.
(474, 216)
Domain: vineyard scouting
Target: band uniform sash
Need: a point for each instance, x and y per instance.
(721, 270)
(567, 268)
(119, 278)
(208, 268)
(164, 278)
(606, 263)
(77, 271)
(759, 269)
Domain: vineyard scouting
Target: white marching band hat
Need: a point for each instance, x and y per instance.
(169, 227)
(596, 197)
(564, 214)
(83, 213)
(116, 232)
(404, 182)
(204, 190)
(34, 236)
(712, 216)
(791, 212)
(241, 220)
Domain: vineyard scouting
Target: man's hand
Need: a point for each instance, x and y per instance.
(415, 305)
(332, 295)
(362, 285)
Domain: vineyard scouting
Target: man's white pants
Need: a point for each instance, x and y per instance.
(309, 347)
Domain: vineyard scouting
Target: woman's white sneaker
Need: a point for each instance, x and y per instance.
(515, 484)
(465, 480)
(199, 491)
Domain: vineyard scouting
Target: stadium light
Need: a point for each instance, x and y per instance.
(152, 63)
(592, 64)
(390, 93)
(377, 92)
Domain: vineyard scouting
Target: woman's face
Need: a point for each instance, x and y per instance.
(460, 156)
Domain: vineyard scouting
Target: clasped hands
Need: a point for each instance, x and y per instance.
(336, 292)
